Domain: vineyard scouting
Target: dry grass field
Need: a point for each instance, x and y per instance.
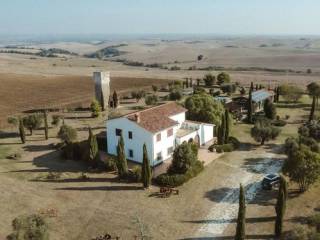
(103, 204)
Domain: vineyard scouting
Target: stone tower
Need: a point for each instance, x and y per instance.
(102, 88)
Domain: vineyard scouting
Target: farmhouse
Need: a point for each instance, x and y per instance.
(239, 104)
(161, 128)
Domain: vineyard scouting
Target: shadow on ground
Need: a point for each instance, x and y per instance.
(234, 220)
(52, 162)
(102, 188)
(256, 236)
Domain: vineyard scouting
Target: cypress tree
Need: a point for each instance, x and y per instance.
(121, 159)
(93, 149)
(115, 99)
(313, 107)
(21, 131)
(241, 221)
(222, 130)
(146, 169)
(278, 93)
(280, 207)
(251, 86)
(227, 124)
(250, 108)
(46, 128)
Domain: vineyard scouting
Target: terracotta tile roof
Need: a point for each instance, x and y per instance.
(157, 118)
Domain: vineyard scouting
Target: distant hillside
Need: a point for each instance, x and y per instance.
(111, 51)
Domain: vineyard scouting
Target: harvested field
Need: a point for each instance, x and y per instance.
(26, 92)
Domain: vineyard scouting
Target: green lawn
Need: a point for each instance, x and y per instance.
(296, 112)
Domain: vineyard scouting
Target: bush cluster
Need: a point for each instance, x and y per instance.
(279, 123)
(233, 143)
(224, 148)
(174, 180)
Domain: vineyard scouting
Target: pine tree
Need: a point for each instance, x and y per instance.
(241, 221)
(250, 108)
(146, 169)
(93, 149)
(121, 159)
(21, 131)
(227, 124)
(313, 107)
(251, 86)
(46, 128)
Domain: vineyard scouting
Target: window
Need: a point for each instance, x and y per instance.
(170, 150)
(130, 135)
(170, 132)
(159, 156)
(130, 153)
(158, 137)
(118, 132)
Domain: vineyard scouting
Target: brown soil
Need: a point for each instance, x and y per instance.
(27, 92)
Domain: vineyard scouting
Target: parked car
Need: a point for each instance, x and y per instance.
(269, 181)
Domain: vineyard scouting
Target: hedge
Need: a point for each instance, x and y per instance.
(233, 143)
(174, 180)
(279, 123)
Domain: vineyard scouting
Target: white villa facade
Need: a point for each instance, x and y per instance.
(161, 128)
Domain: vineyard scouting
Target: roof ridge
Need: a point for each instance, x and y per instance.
(151, 108)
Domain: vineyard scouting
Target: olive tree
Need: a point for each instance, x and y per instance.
(263, 131)
(302, 166)
(204, 108)
(67, 134)
(32, 122)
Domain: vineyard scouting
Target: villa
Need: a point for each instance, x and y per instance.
(161, 128)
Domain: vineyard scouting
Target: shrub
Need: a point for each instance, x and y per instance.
(224, 148)
(53, 175)
(32, 122)
(228, 88)
(13, 121)
(14, 156)
(315, 221)
(31, 227)
(110, 163)
(67, 134)
(223, 78)
(83, 176)
(175, 94)
(174, 180)
(95, 108)
(279, 123)
(151, 99)
(56, 120)
(183, 159)
(234, 141)
(209, 80)
(134, 174)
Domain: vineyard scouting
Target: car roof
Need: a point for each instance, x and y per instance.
(271, 176)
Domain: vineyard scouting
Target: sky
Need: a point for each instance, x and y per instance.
(258, 17)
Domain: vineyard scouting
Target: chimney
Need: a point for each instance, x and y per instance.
(137, 117)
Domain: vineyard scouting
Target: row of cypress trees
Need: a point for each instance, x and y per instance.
(280, 209)
(122, 165)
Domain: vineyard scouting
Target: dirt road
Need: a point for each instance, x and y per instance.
(246, 167)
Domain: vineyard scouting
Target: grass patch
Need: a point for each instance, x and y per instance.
(4, 151)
